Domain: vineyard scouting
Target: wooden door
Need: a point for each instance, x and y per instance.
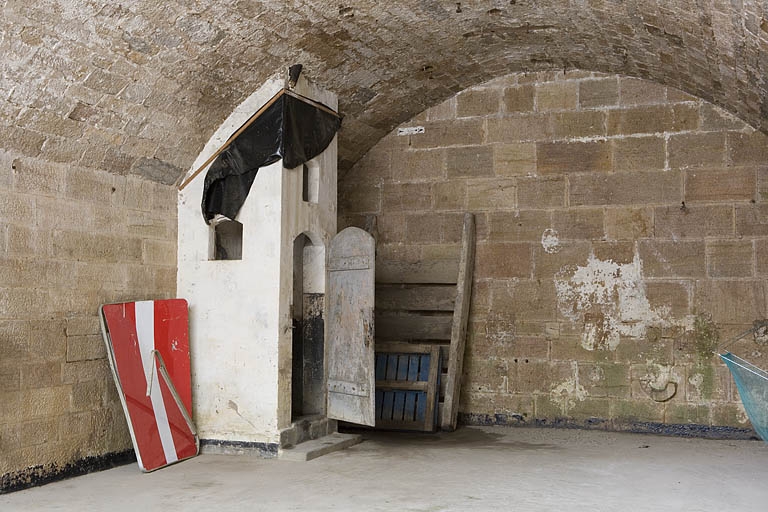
(350, 349)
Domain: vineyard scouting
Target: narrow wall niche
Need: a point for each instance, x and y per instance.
(310, 182)
(227, 240)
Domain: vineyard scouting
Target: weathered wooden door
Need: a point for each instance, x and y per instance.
(350, 349)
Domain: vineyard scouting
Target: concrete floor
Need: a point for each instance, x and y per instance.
(471, 469)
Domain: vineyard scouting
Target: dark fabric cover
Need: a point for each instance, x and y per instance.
(290, 128)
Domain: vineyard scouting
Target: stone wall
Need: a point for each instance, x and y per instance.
(622, 228)
(71, 239)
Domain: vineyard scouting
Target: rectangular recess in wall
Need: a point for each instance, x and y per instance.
(310, 182)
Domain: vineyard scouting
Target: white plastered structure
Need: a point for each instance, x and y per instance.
(240, 310)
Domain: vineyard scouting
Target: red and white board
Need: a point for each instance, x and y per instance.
(148, 347)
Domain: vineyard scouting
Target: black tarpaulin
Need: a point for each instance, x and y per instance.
(290, 128)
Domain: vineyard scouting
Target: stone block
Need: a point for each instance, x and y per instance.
(641, 92)
(639, 154)
(696, 150)
(37, 177)
(652, 120)
(556, 96)
(87, 396)
(27, 241)
(693, 221)
(569, 348)
(87, 370)
(23, 303)
(450, 195)
(528, 300)
(18, 208)
(628, 223)
(94, 186)
(26, 142)
(731, 302)
(587, 123)
(731, 184)
(83, 325)
(514, 159)
(40, 375)
(626, 188)
(524, 225)
(686, 414)
(619, 252)
(729, 415)
(506, 407)
(105, 82)
(503, 260)
(672, 258)
(716, 119)
(752, 220)
(492, 194)
(470, 161)
(407, 197)
(519, 99)
(565, 256)
(571, 157)
(418, 165)
(544, 192)
(486, 375)
(605, 379)
(730, 259)
(10, 377)
(628, 411)
(456, 132)
(747, 148)
(579, 224)
(84, 348)
(647, 348)
(44, 402)
(356, 197)
(478, 102)
(761, 257)
(672, 298)
(443, 111)
(159, 252)
(73, 245)
(519, 128)
(39, 432)
(598, 93)
(423, 228)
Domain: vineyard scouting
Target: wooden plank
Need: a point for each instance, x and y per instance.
(415, 297)
(412, 326)
(418, 385)
(399, 425)
(410, 405)
(443, 271)
(402, 347)
(459, 326)
(434, 371)
(398, 408)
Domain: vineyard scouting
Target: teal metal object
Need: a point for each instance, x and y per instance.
(752, 383)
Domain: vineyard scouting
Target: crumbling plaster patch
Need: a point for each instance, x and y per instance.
(609, 299)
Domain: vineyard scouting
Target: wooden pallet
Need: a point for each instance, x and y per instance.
(407, 382)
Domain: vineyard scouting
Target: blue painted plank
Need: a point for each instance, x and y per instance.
(413, 367)
(381, 366)
(387, 403)
(409, 413)
(402, 367)
(421, 405)
(379, 403)
(392, 367)
(399, 406)
(424, 367)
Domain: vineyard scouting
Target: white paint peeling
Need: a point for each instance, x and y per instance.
(550, 241)
(609, 299)
(568, 392)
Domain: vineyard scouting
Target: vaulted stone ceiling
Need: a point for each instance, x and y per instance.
(139, 86)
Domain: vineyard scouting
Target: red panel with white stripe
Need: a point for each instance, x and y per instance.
(134, 331)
